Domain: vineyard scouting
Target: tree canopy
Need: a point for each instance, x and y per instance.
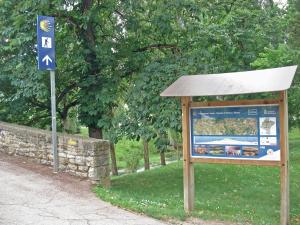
(115, 57)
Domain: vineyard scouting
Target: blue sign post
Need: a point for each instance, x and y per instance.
(46, 45)
(46, 61)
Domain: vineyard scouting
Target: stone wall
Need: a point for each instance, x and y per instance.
(79, 156)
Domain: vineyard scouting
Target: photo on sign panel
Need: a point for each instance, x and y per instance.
(216, 150)
(225, 126)
(233, 150)
(226, 140)
(250, 150)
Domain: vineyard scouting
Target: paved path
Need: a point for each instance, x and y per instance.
(31, 195)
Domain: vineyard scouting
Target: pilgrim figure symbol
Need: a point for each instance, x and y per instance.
(46, 42)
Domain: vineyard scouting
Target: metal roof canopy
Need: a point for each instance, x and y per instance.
(256, 81)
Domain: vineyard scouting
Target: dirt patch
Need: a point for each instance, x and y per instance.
(64, 181)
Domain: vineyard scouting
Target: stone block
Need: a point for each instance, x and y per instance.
(43, 161)
(81, 174)
(87, 146)
(63, 161)
(50, 157)
(72, 167)
(80, 160)
(91, 173)
(83, 168)
(103, 171)
(72, 160)
(31, 154)
(62, 167)
(62, 154)
(70, 156)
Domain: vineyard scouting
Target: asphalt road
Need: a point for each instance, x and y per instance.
(32, 195)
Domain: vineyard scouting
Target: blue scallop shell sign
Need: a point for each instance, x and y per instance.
(243, 132)
(46, 44)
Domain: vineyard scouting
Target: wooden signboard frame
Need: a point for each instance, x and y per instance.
(188, 161)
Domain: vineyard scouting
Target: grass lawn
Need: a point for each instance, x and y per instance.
(223, 192)
(124, 146)
(84, 131)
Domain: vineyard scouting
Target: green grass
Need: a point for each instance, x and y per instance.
(223, 192)
(84, 131)
(294, 134)
(125, 145)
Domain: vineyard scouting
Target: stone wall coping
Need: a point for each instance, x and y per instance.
(35, 131)
(79, 156)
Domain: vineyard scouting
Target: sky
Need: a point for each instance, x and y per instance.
(281, 1)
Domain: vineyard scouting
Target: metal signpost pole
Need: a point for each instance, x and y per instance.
(53, 114)
(46, 61)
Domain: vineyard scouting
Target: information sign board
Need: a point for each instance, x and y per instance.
(236, 132)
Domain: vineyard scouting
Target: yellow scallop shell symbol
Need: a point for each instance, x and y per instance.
(45, 25)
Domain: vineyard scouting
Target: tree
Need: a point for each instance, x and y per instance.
(107, 48)
(287, 53)
(136, 127)
(89, 64)
(149, 116)
(18, 65)
(188, 37)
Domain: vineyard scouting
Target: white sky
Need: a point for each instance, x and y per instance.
(284, 2)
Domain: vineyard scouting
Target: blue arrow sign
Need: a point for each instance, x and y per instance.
(46, 44)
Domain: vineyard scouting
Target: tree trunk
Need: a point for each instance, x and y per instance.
(64, 122)
(114, 168)
(162, 159)
(146, 155)
(95, 132)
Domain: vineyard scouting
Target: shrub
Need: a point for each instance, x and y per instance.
(131, 155)
(132, 161)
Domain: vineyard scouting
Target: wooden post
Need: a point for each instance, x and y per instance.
(284, 158)
(188, 168)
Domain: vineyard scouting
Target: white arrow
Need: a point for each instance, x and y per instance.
(47, 59)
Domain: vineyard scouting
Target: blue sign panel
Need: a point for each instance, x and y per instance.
(244, 132)
(45, 40)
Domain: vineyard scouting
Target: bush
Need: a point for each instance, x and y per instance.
(131, 155)
(133, 160)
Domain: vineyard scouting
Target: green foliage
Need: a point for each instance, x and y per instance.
(114, 58)
(87, 68)
(271, 57)
(147, 115)
(18, 63)
(287, 53)
(132, 160)
(162, 142)
(131, 155)
(187, 37)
